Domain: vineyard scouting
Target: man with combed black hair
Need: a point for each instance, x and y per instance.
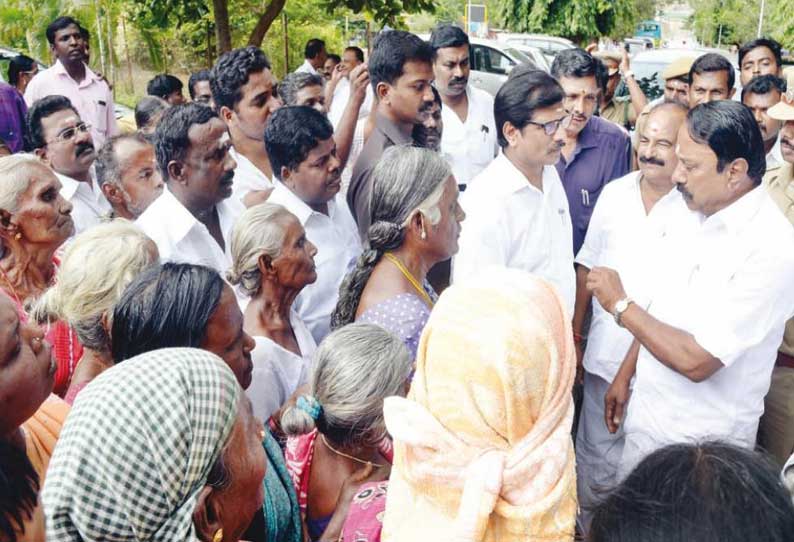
(127, 174)
(199, 88)
(243, 88)
(192, 219)
(760, 94)
(516, 209)
(400, 71)
(761, 56)
(596, 150)
(711, 78)
(302, 150)
(167, 87)
(314, 57)
(70, 76)
(58, 136)
(707, 334)
(469, 139)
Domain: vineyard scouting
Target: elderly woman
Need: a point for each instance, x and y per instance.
(337, 431)
(30, 422)
(272, 261)
(415, 220)
(162, 447)
(35, 221)
(96, 267)
(483, 447)
(183, 305)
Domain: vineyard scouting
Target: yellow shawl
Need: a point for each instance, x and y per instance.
(483, 450)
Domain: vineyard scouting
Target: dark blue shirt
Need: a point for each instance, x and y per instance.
(602, 154)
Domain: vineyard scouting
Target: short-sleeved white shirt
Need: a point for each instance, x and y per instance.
(623, 237)
(88, 202)
(511, 223)
(247, 177)
(180, 237)
(731, 288)
(336, 237)
(471, 145)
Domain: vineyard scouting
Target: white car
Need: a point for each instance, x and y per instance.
(549, 45)
(492, 61)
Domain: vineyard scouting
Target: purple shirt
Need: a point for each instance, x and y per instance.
(603, 153)
(12, 117)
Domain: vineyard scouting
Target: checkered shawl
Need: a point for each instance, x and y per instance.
(137, 448)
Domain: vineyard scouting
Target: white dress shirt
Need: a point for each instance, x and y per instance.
(511, 223)
(341, 98)
(277, 371)
(623, 237)
(180, 237)
(774, 158)
(471, 145)
(306, 67)
(247, 177)
(730, 286)
(336, 237)
(89, 205)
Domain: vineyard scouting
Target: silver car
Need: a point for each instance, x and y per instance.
(492, 61)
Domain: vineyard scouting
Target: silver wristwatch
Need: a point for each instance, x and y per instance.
(620, 308)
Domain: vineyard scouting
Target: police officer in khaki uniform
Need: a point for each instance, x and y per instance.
(776, 431)
(622, 110)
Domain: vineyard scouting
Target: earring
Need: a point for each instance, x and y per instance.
(218, 536)
(18, 236)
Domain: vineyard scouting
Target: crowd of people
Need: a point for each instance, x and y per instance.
(371, 301)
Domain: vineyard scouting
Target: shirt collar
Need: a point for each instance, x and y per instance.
(512, 179)
(391, 130)
(740, 212)
(59, 69)
(588, 137)
(69, 186)
(286, 197)
(176, 218)
(310, 67)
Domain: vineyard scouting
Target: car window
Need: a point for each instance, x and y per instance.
(490, 60)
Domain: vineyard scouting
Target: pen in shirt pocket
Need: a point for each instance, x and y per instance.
(585, 198)
(484, 129)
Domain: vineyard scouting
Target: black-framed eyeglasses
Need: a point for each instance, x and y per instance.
(551, 127)
(69, 133)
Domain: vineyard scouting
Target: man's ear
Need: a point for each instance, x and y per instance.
(226, 114)
(382, 92)
(737, 171)
(206, 517)
(112, 194)
(731, 92)
(176, 171)
(42, 154)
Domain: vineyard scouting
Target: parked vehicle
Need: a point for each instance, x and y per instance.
(491, 62)
(549, 45)
(536, 55)
(6, 55)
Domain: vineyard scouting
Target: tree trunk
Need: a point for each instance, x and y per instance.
(263, 24)
(222, 31)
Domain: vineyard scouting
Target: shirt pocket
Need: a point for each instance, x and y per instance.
(100, 121)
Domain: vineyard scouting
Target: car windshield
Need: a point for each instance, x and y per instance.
(518, 55)
(649, 77)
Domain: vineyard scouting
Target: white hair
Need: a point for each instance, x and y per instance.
(15, 178)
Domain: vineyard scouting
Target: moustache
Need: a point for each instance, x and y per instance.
(83, 148)
(458, 81)
(683, 191)
(227, 178)
(652, 160)
(787, 142)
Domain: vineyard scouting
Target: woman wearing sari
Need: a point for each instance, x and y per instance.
(415, 220)
(483, 447)
(35, 221)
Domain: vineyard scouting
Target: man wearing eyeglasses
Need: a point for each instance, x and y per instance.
(516, 209)
(596, 150)
(70, 76)
(63, 141)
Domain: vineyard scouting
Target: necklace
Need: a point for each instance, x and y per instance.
(407, 274)
(357, 460)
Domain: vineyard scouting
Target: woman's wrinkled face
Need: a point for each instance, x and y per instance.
(246, 464)
(225, 337)
(443, 237)
(27, 368)
(295, 266)
(43, 216)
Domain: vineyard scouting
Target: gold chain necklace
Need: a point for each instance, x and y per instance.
(357, 460)
(407, 274)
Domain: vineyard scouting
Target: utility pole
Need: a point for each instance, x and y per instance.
(761, 19)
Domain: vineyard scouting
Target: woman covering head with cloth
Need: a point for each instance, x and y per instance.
(30, 422)
(96, 267)
(415, 223)
(35, 221)
(483, 447)
(272, 260)
(337, 433)
(161, 447)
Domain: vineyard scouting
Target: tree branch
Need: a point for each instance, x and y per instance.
(263, 24)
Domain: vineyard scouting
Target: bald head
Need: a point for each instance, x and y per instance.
(656, 150)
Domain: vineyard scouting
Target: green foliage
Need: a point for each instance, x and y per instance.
(729, 21)
(575, 19)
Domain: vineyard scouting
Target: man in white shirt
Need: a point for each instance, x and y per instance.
(63, 141)
(301, 147)
(243, 91)
(708, 339)
(314, 56)
(70, 76)
(337, 90)
(469, 139)
(633, 215)
(192, 220)
(516, 209)
(761, 93)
